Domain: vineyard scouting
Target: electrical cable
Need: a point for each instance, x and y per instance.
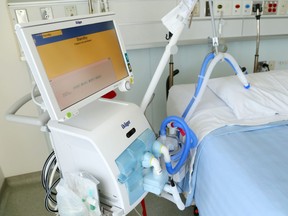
(47, 205)
(49, 183)
(137, 212)
(53, 174)
(43, 174)
(49, 171)
(143, 205)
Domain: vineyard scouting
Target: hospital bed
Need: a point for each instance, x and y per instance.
(241, 164)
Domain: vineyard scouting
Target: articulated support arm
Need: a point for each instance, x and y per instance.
(175, 21)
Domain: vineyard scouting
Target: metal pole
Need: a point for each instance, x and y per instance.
(215, 41)
(171, 70)
(258, 15)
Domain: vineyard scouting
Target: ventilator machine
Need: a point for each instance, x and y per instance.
(74, 62)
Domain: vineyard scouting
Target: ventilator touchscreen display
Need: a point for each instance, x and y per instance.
(81, 61)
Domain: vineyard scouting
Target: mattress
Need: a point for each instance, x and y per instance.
(241, 161)
(212, 112)
(243, 171)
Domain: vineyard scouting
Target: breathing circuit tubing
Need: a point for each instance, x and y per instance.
(190, 141)
(205, 75)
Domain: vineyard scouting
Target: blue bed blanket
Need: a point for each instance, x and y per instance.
(243, 171)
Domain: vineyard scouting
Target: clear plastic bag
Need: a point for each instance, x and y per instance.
(69, 203)
(77, 195)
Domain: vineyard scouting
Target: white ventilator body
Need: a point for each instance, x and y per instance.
(94, 141)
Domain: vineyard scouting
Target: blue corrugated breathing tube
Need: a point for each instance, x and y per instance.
(190, 141)
(201, 76)
(205, 75)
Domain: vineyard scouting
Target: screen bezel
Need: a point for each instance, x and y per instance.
(25, 34)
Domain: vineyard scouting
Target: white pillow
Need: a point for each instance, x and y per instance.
(265, 97)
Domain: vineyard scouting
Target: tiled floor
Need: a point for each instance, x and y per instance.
(24, 196)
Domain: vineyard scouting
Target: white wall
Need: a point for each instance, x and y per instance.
(1, 178)
(23, 148)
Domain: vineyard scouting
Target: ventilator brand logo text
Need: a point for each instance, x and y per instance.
(125, 124)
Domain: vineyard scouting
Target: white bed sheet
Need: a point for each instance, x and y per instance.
(212, 113)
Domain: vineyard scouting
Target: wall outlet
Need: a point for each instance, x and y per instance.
(272, 65)
(46, 13)
(70, 10)
(247, 8)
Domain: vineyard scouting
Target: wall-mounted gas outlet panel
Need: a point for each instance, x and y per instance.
(32, 10)
(140, 20)
(234, 8)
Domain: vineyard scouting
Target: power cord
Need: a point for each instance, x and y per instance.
(50, 177)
